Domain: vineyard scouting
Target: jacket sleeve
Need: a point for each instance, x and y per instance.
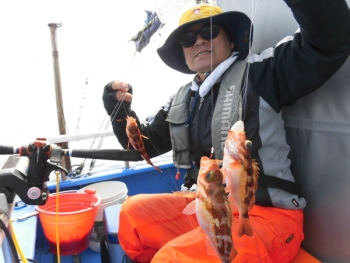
(298, 66)
(155, 128)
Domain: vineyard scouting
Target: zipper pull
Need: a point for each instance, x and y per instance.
(200, 103)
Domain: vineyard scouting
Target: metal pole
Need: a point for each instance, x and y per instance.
(65, 160)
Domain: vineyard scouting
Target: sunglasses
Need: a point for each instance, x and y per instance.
(207, 32)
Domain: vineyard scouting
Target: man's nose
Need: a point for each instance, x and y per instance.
(200, 40)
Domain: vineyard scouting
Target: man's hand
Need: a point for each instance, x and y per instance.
(117, 97)
(123, 92)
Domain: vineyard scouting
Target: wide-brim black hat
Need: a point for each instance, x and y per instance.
(237, 24)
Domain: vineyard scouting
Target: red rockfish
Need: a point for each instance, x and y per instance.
(240, 175)
(135, 138)
(213, 210)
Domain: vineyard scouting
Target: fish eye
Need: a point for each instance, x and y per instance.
(209, 176)
(248, 144)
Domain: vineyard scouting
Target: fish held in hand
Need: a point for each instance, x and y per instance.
(135, 138)
(213, 210)
(240, 175)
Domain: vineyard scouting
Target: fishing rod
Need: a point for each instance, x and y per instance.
(43, 158)
(54, 152)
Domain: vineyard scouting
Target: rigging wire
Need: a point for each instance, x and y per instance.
(80, 113)
(116, 108)
(163, 17)
(112, 117)
(101, 139)
(170, 8)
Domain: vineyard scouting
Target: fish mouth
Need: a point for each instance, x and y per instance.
(204, 52)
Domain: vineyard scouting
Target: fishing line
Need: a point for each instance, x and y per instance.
(118, 105)
(125, 79)
(211, 70)
(166, 167)
(128, 71)
(246, 76)
(120, 102)
(245, 84)
(113, 115)
(56, 218)
(177, 5)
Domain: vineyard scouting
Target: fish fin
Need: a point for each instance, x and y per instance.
(233, 253)
(227, 205)
(143, 136)
(252, 202)
(128, 145)
(255, 174)
(187, 194)
(223, 171)
(218, 162)
(190, 208)
(148, 160)
(245, 227)
(232, 202)
(210, 248)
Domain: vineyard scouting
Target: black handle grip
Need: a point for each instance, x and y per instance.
(7, 149)
(105, 154)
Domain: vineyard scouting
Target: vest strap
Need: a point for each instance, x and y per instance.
(275, 182)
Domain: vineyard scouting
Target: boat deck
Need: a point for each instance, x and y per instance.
(142, 178)
(139, 179)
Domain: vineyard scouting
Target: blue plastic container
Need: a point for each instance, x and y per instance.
(111, 222)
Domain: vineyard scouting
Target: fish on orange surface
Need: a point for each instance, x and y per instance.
(135, 138)
(240, 175)
(213, 210)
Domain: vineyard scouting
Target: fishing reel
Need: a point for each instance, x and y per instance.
(30, 185)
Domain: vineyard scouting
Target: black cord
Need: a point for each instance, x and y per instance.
(32, 260)
(10, 240)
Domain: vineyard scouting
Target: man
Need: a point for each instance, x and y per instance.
(226, 88)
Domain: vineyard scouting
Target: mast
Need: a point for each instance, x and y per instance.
(65, 161)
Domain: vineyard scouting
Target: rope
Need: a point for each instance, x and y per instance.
(16, 243)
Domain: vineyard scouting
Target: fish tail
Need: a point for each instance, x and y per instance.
(135, 139)
(233, 254)
(148, 160)
(245, 227)
(157, 168)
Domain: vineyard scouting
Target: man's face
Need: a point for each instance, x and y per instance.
(206, 55)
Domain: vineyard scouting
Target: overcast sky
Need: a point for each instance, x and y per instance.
(92, 44)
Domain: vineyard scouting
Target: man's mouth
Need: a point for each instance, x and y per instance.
(203, 53)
